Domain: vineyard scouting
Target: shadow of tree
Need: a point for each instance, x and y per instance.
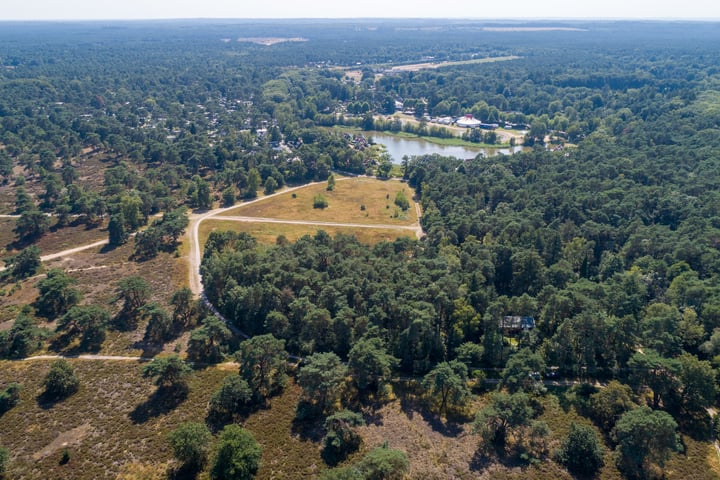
(447, 428)
(696, 424)
(162, 401)
(46, 401)
(308, 422)
(496, 454)
(66, 345)
(184, 472)
(149, 349)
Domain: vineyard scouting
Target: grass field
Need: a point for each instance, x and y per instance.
(267, 233)
(344, 203)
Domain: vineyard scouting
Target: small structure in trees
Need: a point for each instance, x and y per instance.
(513, 324)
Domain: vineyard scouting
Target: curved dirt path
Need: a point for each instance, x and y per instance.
(65, 253)
(195, 278)
(195, 256)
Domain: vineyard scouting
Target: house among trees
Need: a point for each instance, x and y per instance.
(516, 324)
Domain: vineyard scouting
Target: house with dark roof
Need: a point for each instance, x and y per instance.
(516, 324)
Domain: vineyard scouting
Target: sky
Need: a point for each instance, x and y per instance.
(475, 9)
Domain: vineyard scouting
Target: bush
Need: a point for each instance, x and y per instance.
(341, 439)
(61, 381)
(10, 397)
(383, 463)
(402, 201)
(319, 201)
(4, 458)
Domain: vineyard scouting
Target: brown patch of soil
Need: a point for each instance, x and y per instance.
(64, 439)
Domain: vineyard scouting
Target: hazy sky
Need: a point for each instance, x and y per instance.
(139, 9)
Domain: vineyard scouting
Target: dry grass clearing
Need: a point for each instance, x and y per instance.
(268, 41)
(115, 428)
(439, 448)
(267, 233)
(97, 272)
(344, 203)
(287, 453)
(416, 67)
(111, 424)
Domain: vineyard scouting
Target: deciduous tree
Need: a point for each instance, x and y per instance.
(238, 455)
(190, 443)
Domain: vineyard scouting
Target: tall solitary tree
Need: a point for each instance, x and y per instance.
(238, 455)
(26, 263)
(448, 382)
(190, 443)
(31, 225)
(56, 293)
(169, 372)
(134, 292)
(644, 437)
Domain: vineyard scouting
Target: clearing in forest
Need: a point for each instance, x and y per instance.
(358, 200)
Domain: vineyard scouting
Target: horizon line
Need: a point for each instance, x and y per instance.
(474, 19)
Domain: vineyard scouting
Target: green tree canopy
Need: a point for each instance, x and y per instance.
(10, 397)
(581, 451)
(209, 342)
(659, 374)
(231, 397)
(341, 438)
(168, 371)
(522, 371)
(31, 225)
(608, 404)
(238, 455)
(88, 321)
(448, 383)
(263, 363)
(322, 379)
(26, 263)
(190, 443)
(61, 381)
(56, 293)
(644, 437)
(506, 414)
(370, 364)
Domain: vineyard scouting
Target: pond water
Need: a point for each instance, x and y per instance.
(397, 147)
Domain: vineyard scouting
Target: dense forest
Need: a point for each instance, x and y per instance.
(604, 230)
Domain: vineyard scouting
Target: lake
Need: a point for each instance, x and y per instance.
(397, 147)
